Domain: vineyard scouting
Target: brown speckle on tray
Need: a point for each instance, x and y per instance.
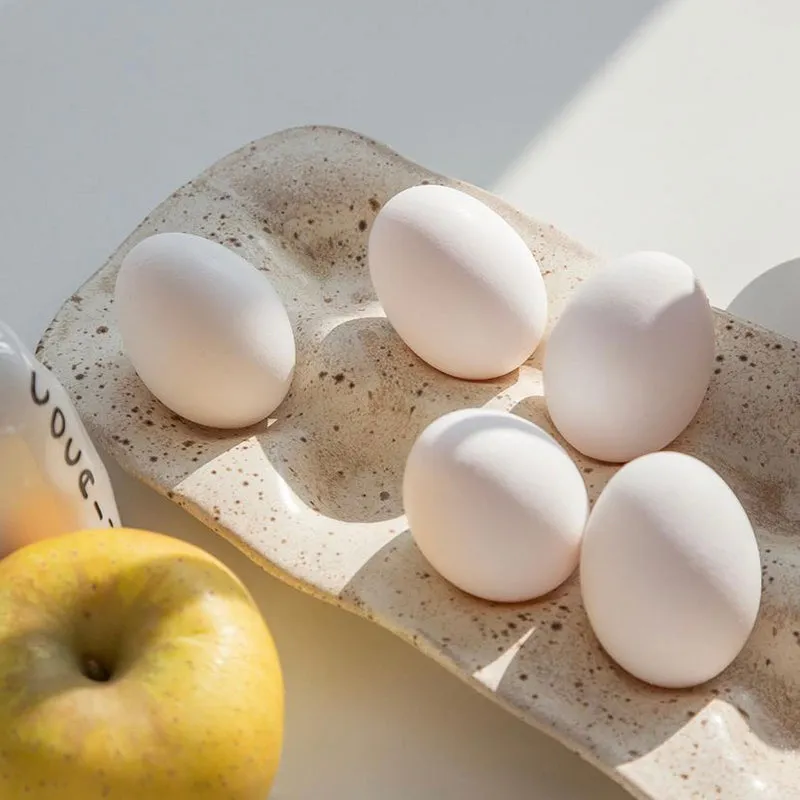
(319, 494)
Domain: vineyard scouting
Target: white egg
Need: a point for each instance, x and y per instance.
(204, 329)
(495, 504)
(457, 282)
(628, 362)
(670, 571)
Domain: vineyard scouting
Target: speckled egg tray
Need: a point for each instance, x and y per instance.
(314, 494)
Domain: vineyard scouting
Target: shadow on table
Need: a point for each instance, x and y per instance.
(549, 667)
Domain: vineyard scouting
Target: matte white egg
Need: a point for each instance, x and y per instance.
(457, 282)
(670, 571)
(205, 330)
(629, 361)
(495, 504)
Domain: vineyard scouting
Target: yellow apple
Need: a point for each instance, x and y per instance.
(133, 666)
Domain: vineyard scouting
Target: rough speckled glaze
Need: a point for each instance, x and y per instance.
(313, 495)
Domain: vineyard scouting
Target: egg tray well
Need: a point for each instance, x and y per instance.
(314, 493)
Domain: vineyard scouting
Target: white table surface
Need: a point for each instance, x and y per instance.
(629, 123)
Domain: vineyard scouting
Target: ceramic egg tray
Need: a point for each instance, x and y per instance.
(314, 494)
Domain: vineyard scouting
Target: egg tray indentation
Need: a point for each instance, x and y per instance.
(313, 494)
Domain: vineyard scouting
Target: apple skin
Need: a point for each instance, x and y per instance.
(133, 666)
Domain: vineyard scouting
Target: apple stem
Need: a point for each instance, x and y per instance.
(95, 671)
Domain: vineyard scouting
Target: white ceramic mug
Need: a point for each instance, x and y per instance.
(52, 479)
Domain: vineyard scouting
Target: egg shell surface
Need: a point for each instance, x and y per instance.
(670, 571)
(457, 282)
(204, 329)
(629, 360)
(495, 504)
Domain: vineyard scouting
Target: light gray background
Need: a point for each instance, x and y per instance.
(628, 123)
